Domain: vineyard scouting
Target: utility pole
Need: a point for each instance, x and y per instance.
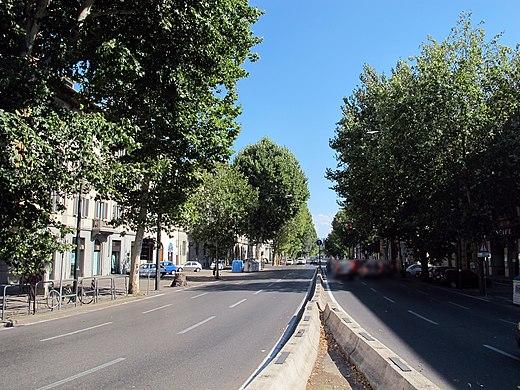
(158, 254)
(319, 243)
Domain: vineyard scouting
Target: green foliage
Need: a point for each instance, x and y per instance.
(219, 210)
(281, 184)
(297, 236)
(165, 70)
(419, 151)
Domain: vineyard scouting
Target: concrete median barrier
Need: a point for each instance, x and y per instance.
(381, 367)
(293, 364)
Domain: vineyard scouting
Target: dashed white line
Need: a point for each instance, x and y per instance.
(470, 296)
(502, 352)
(196, 325)
(364, 283)
(257, 292)
(422, 292)
(389, 299)
(238, 303)
(456, 304)
(81, 374)
(157, 308)
(508, 322)
(76, 331)
(422, 317)
(373, 289)
(199, 295)
(403, 285)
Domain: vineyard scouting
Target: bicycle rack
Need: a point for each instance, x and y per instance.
(112, 286)
(43, 283)
(82, 285)
(4, 296)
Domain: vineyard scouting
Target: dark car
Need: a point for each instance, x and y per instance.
(438, 273)
(461, 279)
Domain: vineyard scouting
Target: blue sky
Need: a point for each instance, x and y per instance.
(311, 57)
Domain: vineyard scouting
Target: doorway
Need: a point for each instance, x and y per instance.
(116, 258)
(96, 260)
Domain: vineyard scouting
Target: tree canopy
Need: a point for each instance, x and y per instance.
(420, 150)
(281, 183)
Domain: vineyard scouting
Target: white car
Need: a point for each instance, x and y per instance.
(289, 262)
(194, 266)
(415, 270)
(301, 261)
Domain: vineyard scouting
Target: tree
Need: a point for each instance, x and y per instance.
(175, 80)
(414, 148)
(219, 210)
(297, 237)
(53, 142)
(282, 186)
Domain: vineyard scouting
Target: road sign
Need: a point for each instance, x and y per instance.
(319, 242)
(483, 251)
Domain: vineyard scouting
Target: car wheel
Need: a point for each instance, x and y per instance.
(197, 270)
(173, 272)
(179, 269)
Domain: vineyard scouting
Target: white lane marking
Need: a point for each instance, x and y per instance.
(257, 292)
(403, 285)
(76, 331)
(422, 292)
(81, 374)
(456, 304)
(157, 308)
(508, 322)
(502, 352)
(364, 283)
(469, 296)
(373, 289)
(424, 318)
(93, 310)
(238, 303)
(196, 325)
(389, 299)
(278, 281)
(239, 282)
(199, 295)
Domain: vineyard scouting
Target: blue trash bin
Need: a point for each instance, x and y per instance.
(237, 266)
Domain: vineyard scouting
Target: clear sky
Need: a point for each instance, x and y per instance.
(311, 57)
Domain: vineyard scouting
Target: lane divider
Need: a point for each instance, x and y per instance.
(76, 331)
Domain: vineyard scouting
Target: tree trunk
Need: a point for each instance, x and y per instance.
(33, 25)
(424, 265)
(133, 287)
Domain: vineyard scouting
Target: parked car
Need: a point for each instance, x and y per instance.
(149, 270)
(220, 265)
(301, 261)
(194, 266)
(414, 270)
(169, 267)
(438, 273)
(289, 262)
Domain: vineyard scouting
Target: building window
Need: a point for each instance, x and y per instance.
(117, 211)
(58, 202)
(84, 206)
(101, 211)
(184, 248)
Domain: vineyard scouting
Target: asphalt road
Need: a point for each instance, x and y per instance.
(205, 337)
(456, 340)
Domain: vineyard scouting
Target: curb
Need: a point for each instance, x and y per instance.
(292, 365)
(383, 368)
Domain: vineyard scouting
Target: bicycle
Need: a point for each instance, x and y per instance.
(85, 295)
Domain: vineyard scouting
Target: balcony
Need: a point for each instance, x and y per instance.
(100, 226)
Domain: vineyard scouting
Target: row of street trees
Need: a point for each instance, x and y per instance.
(262, 195)
(430, 154)
(153, 105)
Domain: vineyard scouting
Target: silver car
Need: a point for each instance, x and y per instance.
(194, 266)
